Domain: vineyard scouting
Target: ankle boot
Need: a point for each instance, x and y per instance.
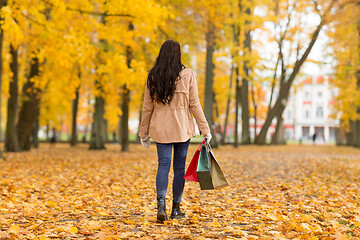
(161, 206)
(176, 213)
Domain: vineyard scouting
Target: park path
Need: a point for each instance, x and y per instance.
(280, 192)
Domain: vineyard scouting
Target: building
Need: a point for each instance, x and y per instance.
(309, 111)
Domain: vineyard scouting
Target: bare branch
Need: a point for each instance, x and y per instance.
(317, 8)
(328, 10)
(105, 14)
(33, 20)
(99, 13)
(287, 24)
(273, 83)
(298, 51)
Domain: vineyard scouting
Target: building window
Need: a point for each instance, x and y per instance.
(320, 94)
(319, 112)
(305, 132)
(307, 96)
(307, 114)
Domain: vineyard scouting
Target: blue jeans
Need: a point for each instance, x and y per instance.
(164, 151)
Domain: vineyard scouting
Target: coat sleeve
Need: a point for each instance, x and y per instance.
(195, 107)
(148, 108)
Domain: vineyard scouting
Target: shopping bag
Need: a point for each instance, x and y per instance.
(191, 171)
(217, 175)
(203, 170)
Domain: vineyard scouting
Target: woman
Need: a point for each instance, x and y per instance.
(171, 95)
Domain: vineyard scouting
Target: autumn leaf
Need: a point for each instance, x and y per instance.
(73, 230)
(14, 228)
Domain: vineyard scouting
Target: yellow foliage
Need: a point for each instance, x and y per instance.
(346, 50)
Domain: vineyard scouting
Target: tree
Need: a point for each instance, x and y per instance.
(300, 56)
(11, 142)
(97, 140)
(75, 107)
(245, 128)
(3, 3)
(30, 107)
(211, 14)
(227, 105)
(125, 103)
(345, 45)
(209, 76)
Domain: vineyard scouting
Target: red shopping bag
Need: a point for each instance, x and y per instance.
(191, 171)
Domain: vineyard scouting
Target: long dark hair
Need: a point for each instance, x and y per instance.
(163, 75)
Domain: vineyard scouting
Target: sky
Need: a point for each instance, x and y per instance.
(318, 53)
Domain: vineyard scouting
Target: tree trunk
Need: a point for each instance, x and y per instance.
(357, 143)
(75, 104)
(47, 132)
(275, 111)
(125, 120)
(245, 126)
(278, 137)
(284, 91)
(348, 138)
(125, 105)
(353, 132)
(273, 85)
(227, 106)
(29, 109)
(255, 108)
(245, 116)
(3, 3)
(120, 127)
(357, 133)
(97, 140)
(35, 136)
(350, 134)
(209, 80)
(11, 142)
(126, 101)
(339, 133)
(237, 103)
(106, 130)
(97, 129)
(236, 40)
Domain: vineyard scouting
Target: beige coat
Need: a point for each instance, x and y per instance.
(173, 122)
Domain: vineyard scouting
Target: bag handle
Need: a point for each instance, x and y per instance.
(208, 144)
(203, 141)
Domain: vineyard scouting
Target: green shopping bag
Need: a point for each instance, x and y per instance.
(203, 170)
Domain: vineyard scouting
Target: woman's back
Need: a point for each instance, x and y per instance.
(180, 99)
(173, 122)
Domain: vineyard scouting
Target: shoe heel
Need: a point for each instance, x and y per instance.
(161, 216)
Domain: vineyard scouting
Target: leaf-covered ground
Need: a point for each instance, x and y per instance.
(303, 192)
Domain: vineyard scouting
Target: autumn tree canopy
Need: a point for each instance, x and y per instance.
(84, 63)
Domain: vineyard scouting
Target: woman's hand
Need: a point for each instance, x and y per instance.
(208, 137)
(145, 142)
